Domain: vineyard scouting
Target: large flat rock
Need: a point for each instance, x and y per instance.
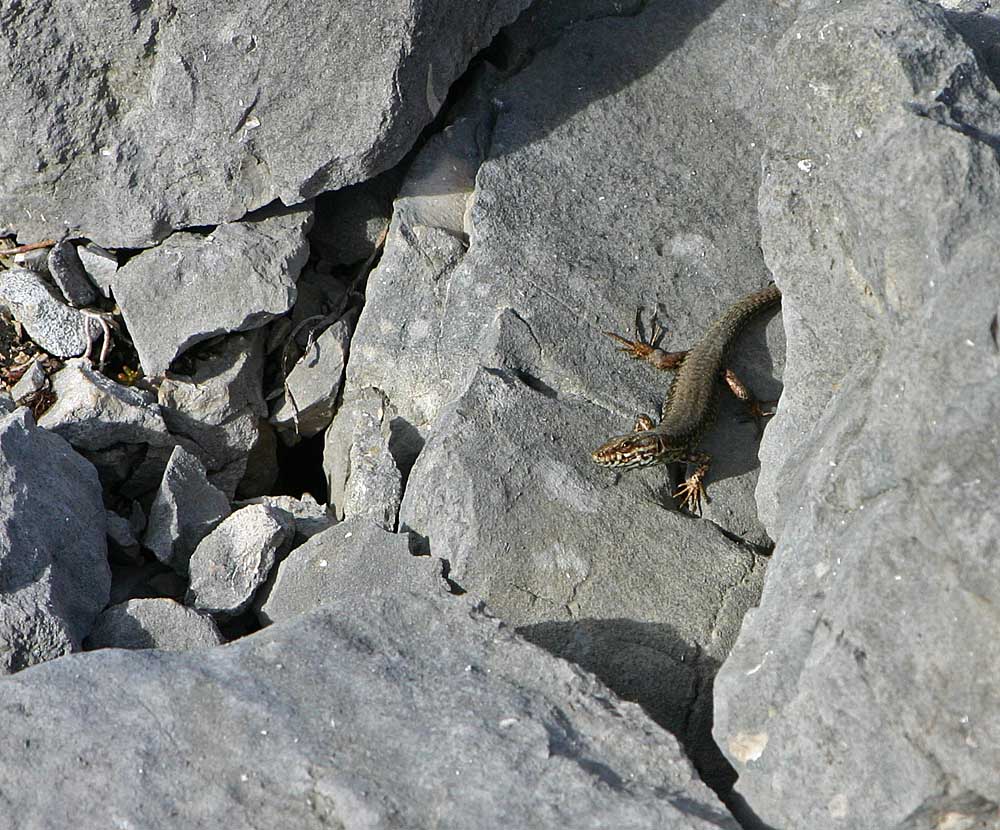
(195, 113)
(617, 169)
(402, 711)
(862, 692)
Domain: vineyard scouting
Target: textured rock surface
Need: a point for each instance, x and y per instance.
(54, 575)
(193, 287)
(354, 559)
(51, 323)
(68, 274)
(494, 350)
(309, 516)
(219, 405)
(314, 382)
(190, 118)
(861, 693)
(357, 740)
(185, 510)
(153, 623)
(232, 561)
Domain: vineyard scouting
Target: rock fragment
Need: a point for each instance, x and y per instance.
(68, 273)
(306, 406)
(100, 265)
(185, 510)
(52, 324)
(353, 559)
(53, 551)
(193, 287)
(153, 623)
(309, 516)
(232, 562)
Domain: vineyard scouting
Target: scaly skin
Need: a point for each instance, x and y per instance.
(690, 406)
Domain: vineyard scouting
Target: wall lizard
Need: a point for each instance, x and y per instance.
(690, 405)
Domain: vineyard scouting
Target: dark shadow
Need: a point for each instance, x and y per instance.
(981, 33)
(649, 664)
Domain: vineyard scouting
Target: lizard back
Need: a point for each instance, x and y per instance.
(691, 402)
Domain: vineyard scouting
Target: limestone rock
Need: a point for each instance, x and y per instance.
(353, 559)
(233, 560)
(53, 551)
(153, 623)
(193, 287)
(185, 510)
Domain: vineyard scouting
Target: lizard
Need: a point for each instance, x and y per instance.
(690, 406)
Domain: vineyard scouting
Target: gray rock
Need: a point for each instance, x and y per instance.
(31, 381)
(232, 561)
(219, 405)
(585, 198)
(193, 287)
(599, 573)
(153, 623)
(53, 552)
(310, 517)
(861, 693)
(93, 412)
(189, 130)
(50, 323)
(335, 720)
(35, 261)
(123, 545)
(306, 406)
(353, 559)
(186, 509)
(374, 484)
(100, 264)
(120, 429)
(7, 404)
(68, 273)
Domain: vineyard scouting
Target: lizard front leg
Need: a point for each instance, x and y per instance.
(692, 491)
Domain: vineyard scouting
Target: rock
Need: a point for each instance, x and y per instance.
(306, 406)
(186, 509)
(54, 326)
(193, 287)
(335, 719)
(374, 484)
(363, 426)
(30, 382)
(308, 515)
(583, 198)
(153, 623)
(68, 274)
(93, 412)
(123, 546)
(189, 129)
(144, 580)
(353, 559)
(219, 405)
(118, 428)
(53, 552)
(866, 674)
(100, 264)
(7, 404)
(232, 561)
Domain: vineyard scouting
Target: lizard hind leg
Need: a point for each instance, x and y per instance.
(758, 410)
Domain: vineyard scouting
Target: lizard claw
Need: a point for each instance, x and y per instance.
(635, 349)
(691, 493)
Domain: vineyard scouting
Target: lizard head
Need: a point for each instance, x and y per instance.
(637, 449)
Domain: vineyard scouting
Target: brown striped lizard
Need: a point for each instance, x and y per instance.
(690, 405)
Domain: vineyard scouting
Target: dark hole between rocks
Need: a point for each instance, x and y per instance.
(300, 470)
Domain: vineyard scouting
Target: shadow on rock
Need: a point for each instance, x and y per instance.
(649, 664)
